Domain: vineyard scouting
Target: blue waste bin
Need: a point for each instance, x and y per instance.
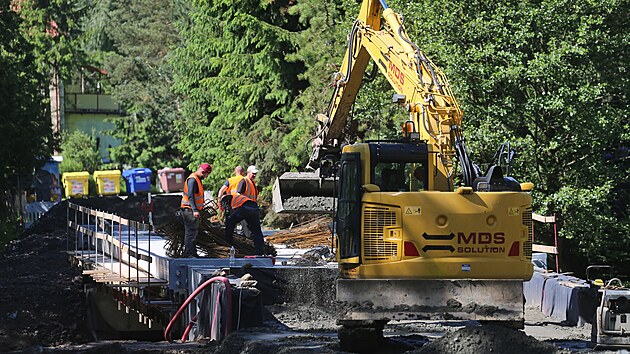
(138, 180)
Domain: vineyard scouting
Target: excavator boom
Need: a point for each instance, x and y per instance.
(420, 87)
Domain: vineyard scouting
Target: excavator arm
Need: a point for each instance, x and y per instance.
(421, 88)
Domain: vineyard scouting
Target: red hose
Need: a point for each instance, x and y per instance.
(188, 328)
(192, 296)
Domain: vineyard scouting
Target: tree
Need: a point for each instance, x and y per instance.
(25, 126)
(35, 40)
(238, 75)
(551, 77)
(80, 152)
(134, 48)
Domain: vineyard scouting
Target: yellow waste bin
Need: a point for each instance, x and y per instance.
(107, 182)
(76, 184)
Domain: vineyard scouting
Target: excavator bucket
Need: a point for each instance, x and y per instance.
(303, 193)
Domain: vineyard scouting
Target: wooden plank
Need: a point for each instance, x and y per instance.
(96, 271)
(106, 275)
(545, 249)
(572, 284)
(111, 280)
(145, 280)
(545, 219)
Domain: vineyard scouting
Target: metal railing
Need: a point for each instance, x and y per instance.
(109, 242)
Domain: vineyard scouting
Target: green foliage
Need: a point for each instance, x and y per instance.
(80, 153)
(37, 39)
(132, 41)
(27, 136)
(52, 29)
(551, 77)
(602, 235)
(237, 72)
(92, 188)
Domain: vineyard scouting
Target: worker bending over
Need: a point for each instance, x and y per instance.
(228, 189)
(245, 207)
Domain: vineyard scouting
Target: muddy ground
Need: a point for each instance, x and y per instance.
(42, 309)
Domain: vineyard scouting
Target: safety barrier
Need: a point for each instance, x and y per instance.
(110, 244)
(33, 211)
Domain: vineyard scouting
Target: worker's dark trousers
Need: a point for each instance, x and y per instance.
(226, 201)
(250, 213)
(191, 226)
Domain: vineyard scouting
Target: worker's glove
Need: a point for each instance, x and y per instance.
(248, 281)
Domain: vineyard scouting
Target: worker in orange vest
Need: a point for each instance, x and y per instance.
(191, 206)
(245, 207)
(228, 189)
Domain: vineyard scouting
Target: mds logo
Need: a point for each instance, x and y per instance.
(480, 238)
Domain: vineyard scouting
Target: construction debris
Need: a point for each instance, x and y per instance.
(210, 240)
(316, 232)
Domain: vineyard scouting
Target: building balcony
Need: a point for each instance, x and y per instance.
(91, 103)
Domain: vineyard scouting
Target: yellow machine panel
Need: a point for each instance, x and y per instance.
(445, 235)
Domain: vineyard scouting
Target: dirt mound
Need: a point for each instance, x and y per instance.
(136, 208)
(41, 302)
(41, 298)
(487, 339)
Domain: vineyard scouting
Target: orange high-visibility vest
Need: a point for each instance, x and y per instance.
(233, 183)
(198, 196)
(250, 193)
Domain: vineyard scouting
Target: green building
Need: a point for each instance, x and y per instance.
(82, 105)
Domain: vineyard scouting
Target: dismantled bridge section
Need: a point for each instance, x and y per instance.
(136, 291)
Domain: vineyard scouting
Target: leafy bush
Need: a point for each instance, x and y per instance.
(80, 152)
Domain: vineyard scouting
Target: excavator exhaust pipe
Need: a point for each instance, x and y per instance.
(304, 193)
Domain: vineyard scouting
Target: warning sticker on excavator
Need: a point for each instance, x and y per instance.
(514, 211)
(413, 210)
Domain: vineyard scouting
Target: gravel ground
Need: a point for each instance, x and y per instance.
(42, 309)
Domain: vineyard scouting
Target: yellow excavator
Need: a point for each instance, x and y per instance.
(410, 244)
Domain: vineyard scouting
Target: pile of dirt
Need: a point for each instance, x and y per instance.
(136, 208)
(487, 339)
(41, 298)
(41, 295)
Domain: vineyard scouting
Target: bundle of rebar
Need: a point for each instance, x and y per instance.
(315, 232)
(210, 239)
